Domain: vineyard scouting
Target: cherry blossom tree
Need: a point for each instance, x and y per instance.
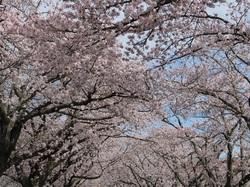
(78, 76)
(204, 61)
(214, 156)
(59, 67)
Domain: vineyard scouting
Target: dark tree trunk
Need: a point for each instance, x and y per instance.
(9, 134)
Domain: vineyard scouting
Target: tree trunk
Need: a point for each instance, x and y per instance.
(9, 134)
